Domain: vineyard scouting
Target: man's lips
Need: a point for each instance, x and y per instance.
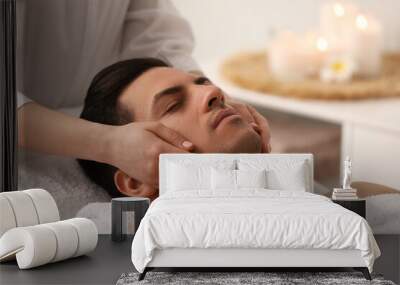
(224, 113)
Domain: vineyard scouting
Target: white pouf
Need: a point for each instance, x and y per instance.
(31, 233)
(40, 244)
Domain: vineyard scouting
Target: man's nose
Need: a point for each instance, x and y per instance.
(213, 97)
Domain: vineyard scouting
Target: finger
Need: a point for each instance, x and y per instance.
(264, 148)
(258, 122)
(168, 148)
(241, 109)
(171, 136)
(244, 109)
(256, 127)
(263, 125)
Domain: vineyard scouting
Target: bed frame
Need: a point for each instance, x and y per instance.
(249, 258)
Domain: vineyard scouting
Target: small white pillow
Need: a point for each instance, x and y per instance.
(236, 179)
(283, 173)
(183, 178)
(293, 179)
(251, 178)
(223, 179)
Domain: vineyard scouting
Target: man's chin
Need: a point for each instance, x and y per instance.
(241, 140)
(249, 142)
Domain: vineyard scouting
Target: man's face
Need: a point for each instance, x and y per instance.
(193, 107)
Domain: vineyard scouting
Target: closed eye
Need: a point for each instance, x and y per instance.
(202, 81)
(171, 108)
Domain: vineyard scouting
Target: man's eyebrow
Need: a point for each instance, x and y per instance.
(169, 91)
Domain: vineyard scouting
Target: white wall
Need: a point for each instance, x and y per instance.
(222, 27)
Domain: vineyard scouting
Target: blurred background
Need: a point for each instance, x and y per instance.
(366, 130)
(350, 116)
(224, 27)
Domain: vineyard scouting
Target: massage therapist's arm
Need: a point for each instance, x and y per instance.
(133, 148)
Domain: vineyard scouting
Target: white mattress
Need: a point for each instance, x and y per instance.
(253, 218)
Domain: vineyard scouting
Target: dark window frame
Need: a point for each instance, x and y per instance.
(8, 111)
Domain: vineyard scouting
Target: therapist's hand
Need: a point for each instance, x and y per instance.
(259, 122)
(134, 148)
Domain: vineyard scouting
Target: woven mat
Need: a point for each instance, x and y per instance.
(250, 278)
(250, 71)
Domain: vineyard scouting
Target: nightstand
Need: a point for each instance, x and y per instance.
(358, 206)
(122, 209)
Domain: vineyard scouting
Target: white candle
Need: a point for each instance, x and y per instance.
(318, 48)
(366, 45)
(352, 34)
(336, 21)
(286, 57)
(295, 57)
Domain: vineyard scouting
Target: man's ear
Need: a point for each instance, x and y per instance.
(131, 187)
(125, 184)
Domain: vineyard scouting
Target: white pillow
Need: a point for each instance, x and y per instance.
(223, 179)
(236, 179)
(191, 174)
(183, 178)
(282, 174)
(293, 179)
(251, 178)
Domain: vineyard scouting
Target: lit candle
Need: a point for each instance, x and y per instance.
(322, 44)
(336, 21)
(366, 45)
(295, 57)
(286, 57)
(317, 48)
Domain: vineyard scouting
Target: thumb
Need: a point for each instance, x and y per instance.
(171, 136)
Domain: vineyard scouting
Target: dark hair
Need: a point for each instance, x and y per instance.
(101, 107)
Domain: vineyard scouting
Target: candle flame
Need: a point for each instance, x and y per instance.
(338, 9)
(361, 22)
(322, 44)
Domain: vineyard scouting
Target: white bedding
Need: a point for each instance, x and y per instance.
(252, 218)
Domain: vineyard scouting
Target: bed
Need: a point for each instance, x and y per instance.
(203, 219)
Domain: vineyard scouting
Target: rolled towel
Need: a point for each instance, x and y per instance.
(7, 220)
(87, 233)
(23, 208)
(27, 208)
(45, 205)
(67, 240)
(33, 246)
(40, 244)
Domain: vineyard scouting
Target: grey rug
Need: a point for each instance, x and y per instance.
(269, 278)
